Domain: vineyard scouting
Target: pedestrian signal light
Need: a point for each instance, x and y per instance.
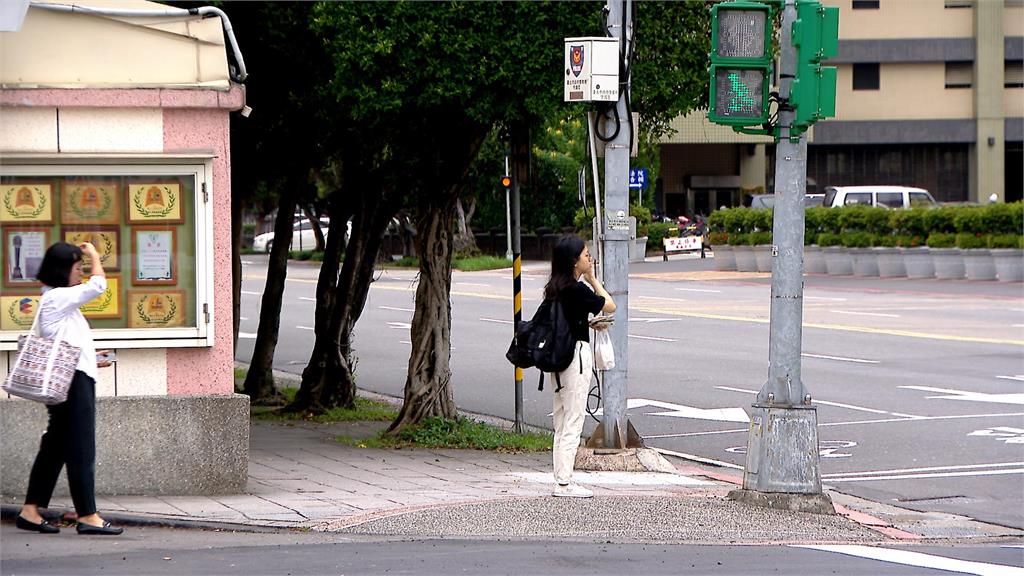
(741, 63)
(506, 181)
(815, 36)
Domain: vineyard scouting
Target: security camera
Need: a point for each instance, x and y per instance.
(246, 110)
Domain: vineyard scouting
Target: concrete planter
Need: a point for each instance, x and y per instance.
(725, 258)
(919, 263)
(1009, 264)
(638, 249)
(979, 265)
(814, 260)
(763, 255)
(745, 260)
(865, 261)
(838, 261)
(890, 263)
(949, 263)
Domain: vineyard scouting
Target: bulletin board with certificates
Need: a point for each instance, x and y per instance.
(143, 227)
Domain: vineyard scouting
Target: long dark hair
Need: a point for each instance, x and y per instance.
(55, 270)
(563, 264)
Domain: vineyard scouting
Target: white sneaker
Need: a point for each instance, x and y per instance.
(571, 491)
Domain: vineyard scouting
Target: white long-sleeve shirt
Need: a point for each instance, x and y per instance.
(61, 304)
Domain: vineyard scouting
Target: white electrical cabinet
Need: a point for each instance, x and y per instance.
(591, 69)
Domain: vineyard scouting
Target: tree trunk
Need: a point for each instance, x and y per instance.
(465, 242)
(428, 390)
(259, 382)
(318, 234)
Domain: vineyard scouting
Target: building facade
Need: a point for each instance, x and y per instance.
(930, 93)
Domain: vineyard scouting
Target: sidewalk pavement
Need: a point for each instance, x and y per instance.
(301, 478)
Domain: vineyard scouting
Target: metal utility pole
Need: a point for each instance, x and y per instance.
(616, 241)
(517, 283)
(782, 444)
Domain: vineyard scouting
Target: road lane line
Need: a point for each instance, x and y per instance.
(839, 358)
(930, 475)
(307, 298)
(305, 328)
(816, 401)
(496, 321)
(698, 290)
(472, 284)
(865, 313)
(929, 469)
(669, 298)
(824, 298)
(1018, 378)
(918, 559)
(396, 308)
(655, 338)
(243, 318)
(250, 293)
(696, 458)
(247, 335)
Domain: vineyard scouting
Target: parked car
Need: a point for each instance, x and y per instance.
(885, 196)
(768, 200)
(303, 237)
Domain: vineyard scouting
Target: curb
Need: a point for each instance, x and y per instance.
(9, 511)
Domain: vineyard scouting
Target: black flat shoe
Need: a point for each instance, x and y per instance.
(105, 530)
(43, 527)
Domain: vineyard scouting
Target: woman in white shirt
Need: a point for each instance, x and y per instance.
(70, 437)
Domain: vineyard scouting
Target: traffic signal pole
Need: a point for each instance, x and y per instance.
(782, 467)
(511, 184)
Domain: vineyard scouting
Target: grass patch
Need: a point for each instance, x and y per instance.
(459, 433)
(407, 262)
(365, 411)
(481, 263)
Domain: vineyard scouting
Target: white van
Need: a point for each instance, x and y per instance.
(885, 196)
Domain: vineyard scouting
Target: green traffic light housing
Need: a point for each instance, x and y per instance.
(741, 63)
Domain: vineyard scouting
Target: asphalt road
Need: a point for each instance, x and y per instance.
(155, 551)
(919, 384)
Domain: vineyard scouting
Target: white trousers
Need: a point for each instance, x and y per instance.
(571, 411)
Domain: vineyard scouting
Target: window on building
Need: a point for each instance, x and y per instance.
(865, 4)
(865, 76)
(1013, 74)
(959, 3)
(959, 74)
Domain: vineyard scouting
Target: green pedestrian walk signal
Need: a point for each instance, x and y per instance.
(741, 63)
(815, 35)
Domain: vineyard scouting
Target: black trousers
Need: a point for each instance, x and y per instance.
(70, 439)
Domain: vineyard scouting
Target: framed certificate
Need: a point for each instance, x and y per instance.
(26, 203)
(18, 312)
(156, 202)
(155, 253)
(106, 305)
(106, 239)
(89, 203)
(23, 253)
(157, 309)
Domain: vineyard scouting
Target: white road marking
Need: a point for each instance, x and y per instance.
(404, 342)
(681, 411)
(908, 558)
(471, 284)
(930, 475)
(247, 335)
(1018, 377)
(400, 325)
(247, 262)
(396, 308)
(655, 338)
(698, 290)
(826, 402)
(696, 458)
(307, 298)
(618, 478)
(250, 293)
(951, 394)
(242, 318)
(653, 320)
(824, 298)
(496, 321)
(1005, 434)
(670, 299)
(305, 328)
(839, 358)
(865, 313)
(929, 469)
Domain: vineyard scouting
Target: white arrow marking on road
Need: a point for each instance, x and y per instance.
(972, 396)
(1018, 377)
(249, 335)
(400, 325)
(680, 411)
(865, 313)
(919, 559)
(653, 320)
(1005, 433)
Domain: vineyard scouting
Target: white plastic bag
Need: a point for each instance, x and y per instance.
(604, 356)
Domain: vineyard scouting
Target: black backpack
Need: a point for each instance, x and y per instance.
(545, 342)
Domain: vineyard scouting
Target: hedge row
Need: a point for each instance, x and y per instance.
(990, 226)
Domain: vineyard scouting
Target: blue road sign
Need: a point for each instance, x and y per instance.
(638, 178)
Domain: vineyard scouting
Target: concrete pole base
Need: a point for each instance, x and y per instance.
(812, 503)
(622, 460)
